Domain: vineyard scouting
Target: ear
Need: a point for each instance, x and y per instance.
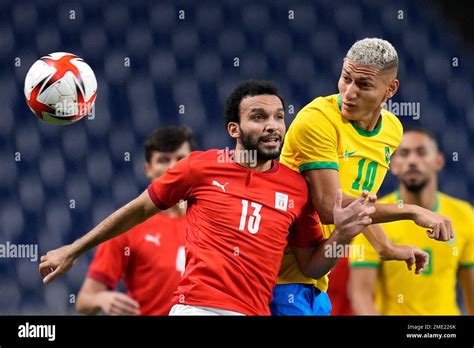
(393, 88)
(233, 129)
(147, 170)
(439, 162)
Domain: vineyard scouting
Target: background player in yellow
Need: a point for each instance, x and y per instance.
(345, 141)
(378, 287)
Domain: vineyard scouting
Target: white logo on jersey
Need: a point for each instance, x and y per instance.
(281, 201)
(154, 239)
(215, 183)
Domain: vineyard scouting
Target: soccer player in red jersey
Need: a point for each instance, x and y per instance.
(149, 257)
(243, 209)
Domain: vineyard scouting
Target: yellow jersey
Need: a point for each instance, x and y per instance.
(321, 138)
(433, 292)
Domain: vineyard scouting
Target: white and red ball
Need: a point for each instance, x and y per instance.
(60, 88)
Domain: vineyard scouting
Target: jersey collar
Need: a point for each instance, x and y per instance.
(273, 169)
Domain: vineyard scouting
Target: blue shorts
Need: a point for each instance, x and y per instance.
(299, 299)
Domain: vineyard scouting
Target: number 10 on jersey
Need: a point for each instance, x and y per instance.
(253, 220)
(371, 172)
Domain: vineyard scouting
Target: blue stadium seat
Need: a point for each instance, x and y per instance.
(52, 168)
(208, 66)
(255, 18)
(99, 168)
(94, 42)
(11, 295)
(254, 65)
(163, 16)
(9, 172)
(209, 18)
(12, 222)
(56, 296)
(116, 17)
(232, 44)
(163, 65)
(31, 193)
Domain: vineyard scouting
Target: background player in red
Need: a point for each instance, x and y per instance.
(241, 207)
(149, 257)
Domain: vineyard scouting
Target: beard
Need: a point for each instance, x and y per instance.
(251, 143)
(415, 187)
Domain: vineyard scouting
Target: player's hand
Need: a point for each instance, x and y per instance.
(55, 263)
(117, 303)
(411, 255)
(440, 227)
(352, 219)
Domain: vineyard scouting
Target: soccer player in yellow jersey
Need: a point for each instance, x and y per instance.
(378, 287)
(345, 141)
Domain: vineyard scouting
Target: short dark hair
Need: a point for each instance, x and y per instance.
(248, 88)
(168, 139)
(424, 131)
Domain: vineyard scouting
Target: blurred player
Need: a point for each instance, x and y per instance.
(241, 208)
(149, 257)
(378, 287)
(345, 141)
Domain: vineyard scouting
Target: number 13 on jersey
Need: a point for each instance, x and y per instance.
(253, 220)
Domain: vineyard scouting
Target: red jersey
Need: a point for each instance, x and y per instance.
(337, 291)
(150, 259)
(238, 224)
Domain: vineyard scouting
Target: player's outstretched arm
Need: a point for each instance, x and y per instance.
(395, 252)
(349, 222)
(438, 227)
(325, 182)
(59, 261)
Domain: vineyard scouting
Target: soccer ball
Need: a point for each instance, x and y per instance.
(60, 88)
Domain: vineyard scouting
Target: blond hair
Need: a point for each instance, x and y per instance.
(374, 53)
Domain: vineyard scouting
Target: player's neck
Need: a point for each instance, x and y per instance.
(426, 198)
(260, 166)
(370, 122)
(251, 162)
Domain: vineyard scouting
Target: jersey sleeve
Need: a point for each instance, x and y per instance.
(363, 253)
(110, 262)
(306, 231)
(311, 142)
(467, 256)
(173, 186)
